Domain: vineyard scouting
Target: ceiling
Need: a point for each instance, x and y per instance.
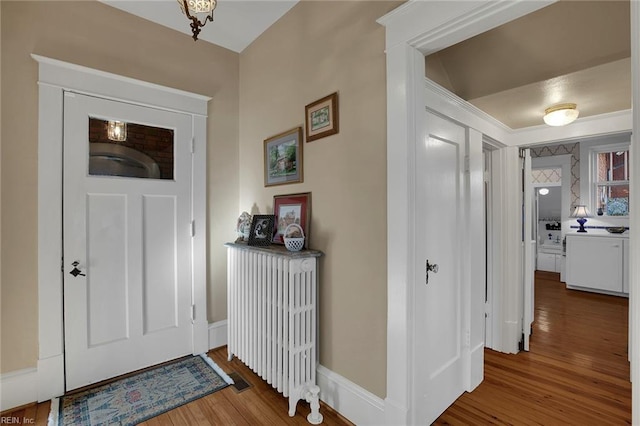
(236, 22)
(571, 51)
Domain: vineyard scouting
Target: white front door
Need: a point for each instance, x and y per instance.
(438, 302)
(127, 239)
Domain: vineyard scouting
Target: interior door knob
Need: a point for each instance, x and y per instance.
(430, 267)
(75, 271)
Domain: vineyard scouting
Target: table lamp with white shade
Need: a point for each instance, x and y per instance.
(581, 212)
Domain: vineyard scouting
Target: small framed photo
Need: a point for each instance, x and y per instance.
(261, 230)
(283, 158)
(322, 118)
(292, 208)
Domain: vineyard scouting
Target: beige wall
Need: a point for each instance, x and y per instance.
(316, 49)
(98, 36)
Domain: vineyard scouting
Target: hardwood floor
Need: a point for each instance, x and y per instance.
(575, 374)
(259, 404)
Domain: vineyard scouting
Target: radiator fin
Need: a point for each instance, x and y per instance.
(273, 318)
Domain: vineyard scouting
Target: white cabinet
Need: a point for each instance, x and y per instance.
(549, 257)
(595, 262)
(548, 262)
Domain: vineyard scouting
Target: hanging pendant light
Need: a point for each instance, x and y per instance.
(561, 114)
(117, 131)
(194, 8)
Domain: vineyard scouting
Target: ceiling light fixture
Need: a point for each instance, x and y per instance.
(543, 191)
(192, 8)
(560, 115)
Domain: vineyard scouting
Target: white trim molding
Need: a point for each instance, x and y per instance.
(449, 104)
(452, 106)
(18, 388)
(358, 405)
(106, 85)
(54, 78)
(634, 238)
(218, 334)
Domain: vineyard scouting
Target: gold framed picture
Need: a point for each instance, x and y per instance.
(322, 118)
(283, 158)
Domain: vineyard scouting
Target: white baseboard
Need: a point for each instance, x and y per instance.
(50, 377)
(350, 400)
(394, 413)
(217, 334)
(477, 366)
(18, 388)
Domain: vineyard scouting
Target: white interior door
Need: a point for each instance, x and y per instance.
(438, 332)
(528, 250)
(127, 224)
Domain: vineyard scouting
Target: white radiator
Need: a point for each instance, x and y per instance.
(272, 319)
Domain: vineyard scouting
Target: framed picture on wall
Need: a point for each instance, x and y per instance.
(283, 158)
(292, 208)
(261, 231)
(322, 118)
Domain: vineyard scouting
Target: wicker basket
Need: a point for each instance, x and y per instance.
(293, 244)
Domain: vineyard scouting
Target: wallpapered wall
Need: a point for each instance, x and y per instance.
(551, 175)
(564, 149)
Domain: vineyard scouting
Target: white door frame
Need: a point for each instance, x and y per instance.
(528, 244)
(490, 243)
(634, 222)
(421, 27)
(56, 77)
(413, 30)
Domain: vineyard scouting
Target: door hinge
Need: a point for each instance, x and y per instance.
(193, 312)
(467, 163)
(522, 152)
(193, 228)
(62, 264)
(193, 145)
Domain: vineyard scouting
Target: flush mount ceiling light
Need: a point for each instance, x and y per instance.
(195, 8)
(560, 115)
(543, 191)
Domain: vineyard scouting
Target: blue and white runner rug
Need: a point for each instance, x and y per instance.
(134, 399)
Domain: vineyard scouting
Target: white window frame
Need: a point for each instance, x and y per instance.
(593, 175)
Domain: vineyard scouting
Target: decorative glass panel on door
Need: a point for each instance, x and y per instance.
(118, 148)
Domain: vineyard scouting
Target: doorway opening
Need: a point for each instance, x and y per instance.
(547, 222)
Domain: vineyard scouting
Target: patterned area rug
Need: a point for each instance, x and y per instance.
(137, 398)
